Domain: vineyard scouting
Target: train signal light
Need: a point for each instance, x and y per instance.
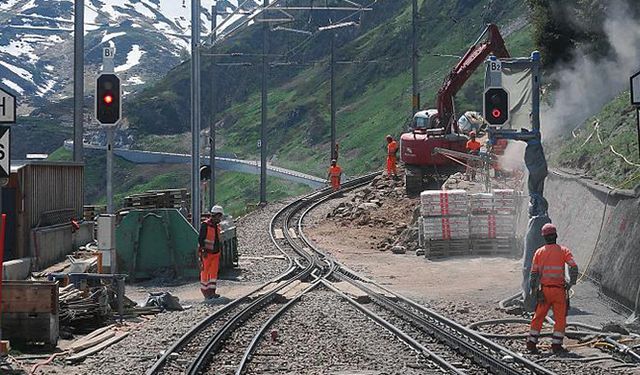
(496, 106)
(108, 99)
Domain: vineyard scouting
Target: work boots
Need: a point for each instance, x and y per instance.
(532, 347)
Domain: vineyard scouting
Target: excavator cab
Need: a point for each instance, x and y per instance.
(426, 122)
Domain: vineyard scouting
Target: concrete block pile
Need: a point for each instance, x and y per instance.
(456, 214)
(445, 214)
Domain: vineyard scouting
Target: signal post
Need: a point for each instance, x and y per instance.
(108, 112)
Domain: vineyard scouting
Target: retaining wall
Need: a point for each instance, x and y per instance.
(611, 256)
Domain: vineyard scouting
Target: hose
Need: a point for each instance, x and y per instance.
(570, 334)
(584, 359)
(508, 301)
(526, 321)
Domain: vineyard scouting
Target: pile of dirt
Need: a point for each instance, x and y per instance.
(382, 204)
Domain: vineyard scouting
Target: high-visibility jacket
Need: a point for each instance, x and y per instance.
(473, 146)
(335, 172)
(209, 238)
(549, 263)
(392, 148)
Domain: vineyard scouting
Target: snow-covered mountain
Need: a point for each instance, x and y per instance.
(150, 36)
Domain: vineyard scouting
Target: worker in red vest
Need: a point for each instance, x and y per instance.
(392, 156)
(335, 173)
(548, 284)
(209, 250)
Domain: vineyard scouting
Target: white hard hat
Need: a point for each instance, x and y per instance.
(217, 210)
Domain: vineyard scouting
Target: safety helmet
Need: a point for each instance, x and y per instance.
(549, 229)
(389, 137)
(217, 210)
(333, 162)
(472, 133)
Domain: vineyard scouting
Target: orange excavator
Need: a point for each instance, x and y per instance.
(437, 128)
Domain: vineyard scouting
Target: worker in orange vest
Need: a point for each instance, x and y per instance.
(473, 147)
(392, 156)
(335, 173)
(210, 247)
(548, 284)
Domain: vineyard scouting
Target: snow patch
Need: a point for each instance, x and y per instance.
(135, 80)
(107, 37)
(48, 86)
(13, 86)
(18, 48)
(22, 73)
(133, 59)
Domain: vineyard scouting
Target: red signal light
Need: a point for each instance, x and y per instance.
(496, 113)
(108, 99)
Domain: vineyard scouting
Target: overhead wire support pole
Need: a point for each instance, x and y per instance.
(414, 60)
(195, 113)
(263, 125)
(333, 153)
(78, 81)
(212, 124)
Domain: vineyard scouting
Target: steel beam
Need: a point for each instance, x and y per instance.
(78, 80)
(195, 113)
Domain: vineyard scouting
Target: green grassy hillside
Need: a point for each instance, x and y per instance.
(373, 98)
(590, 150)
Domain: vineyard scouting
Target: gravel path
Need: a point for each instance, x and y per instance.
(323, 334)
(137, 352)
(259, 258)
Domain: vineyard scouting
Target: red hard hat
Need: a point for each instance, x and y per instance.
(472, 134)
(548, 229)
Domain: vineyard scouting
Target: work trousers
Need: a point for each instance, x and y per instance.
(391, 165)
(209, 274)
(335, 183)
(556, 299)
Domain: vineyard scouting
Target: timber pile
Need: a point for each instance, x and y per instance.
(170, 198)
(84, 310)
(95, 342)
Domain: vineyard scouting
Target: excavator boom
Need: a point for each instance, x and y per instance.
(475, 56)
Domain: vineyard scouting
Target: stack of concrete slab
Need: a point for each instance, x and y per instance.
(444, 214)
(493, 214)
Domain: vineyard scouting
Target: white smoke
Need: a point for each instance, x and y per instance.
(587, 84)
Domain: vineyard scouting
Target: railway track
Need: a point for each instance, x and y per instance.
(226, 341)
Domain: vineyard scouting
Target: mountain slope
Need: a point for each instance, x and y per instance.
(373, 96)
(36, 42)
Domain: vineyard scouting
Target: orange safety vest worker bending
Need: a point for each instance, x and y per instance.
(210, 247)
(549, 286)
(335, 173)
(392, 151)
(473, 146)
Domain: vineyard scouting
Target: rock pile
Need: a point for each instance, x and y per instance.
(382, 204)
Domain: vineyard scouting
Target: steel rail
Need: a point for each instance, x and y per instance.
(206, 322)
(452, 325)
(256, 338)
(397, 332)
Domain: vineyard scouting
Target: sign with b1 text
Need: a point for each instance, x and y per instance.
(5, 159)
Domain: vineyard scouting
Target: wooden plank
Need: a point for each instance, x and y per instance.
(357, 294)
(85, 353)
(279, 234)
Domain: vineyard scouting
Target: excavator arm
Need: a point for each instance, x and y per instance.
(475, 56)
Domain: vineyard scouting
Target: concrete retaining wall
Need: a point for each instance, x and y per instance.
(579, 208)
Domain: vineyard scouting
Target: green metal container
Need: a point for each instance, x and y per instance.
(162, 243)
(156, 243)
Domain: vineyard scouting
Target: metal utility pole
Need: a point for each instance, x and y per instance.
(263, 125)
(414, 60)
(195, 113)
(212, 124)
(333, 97)
(78, 80)
(110, 130)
